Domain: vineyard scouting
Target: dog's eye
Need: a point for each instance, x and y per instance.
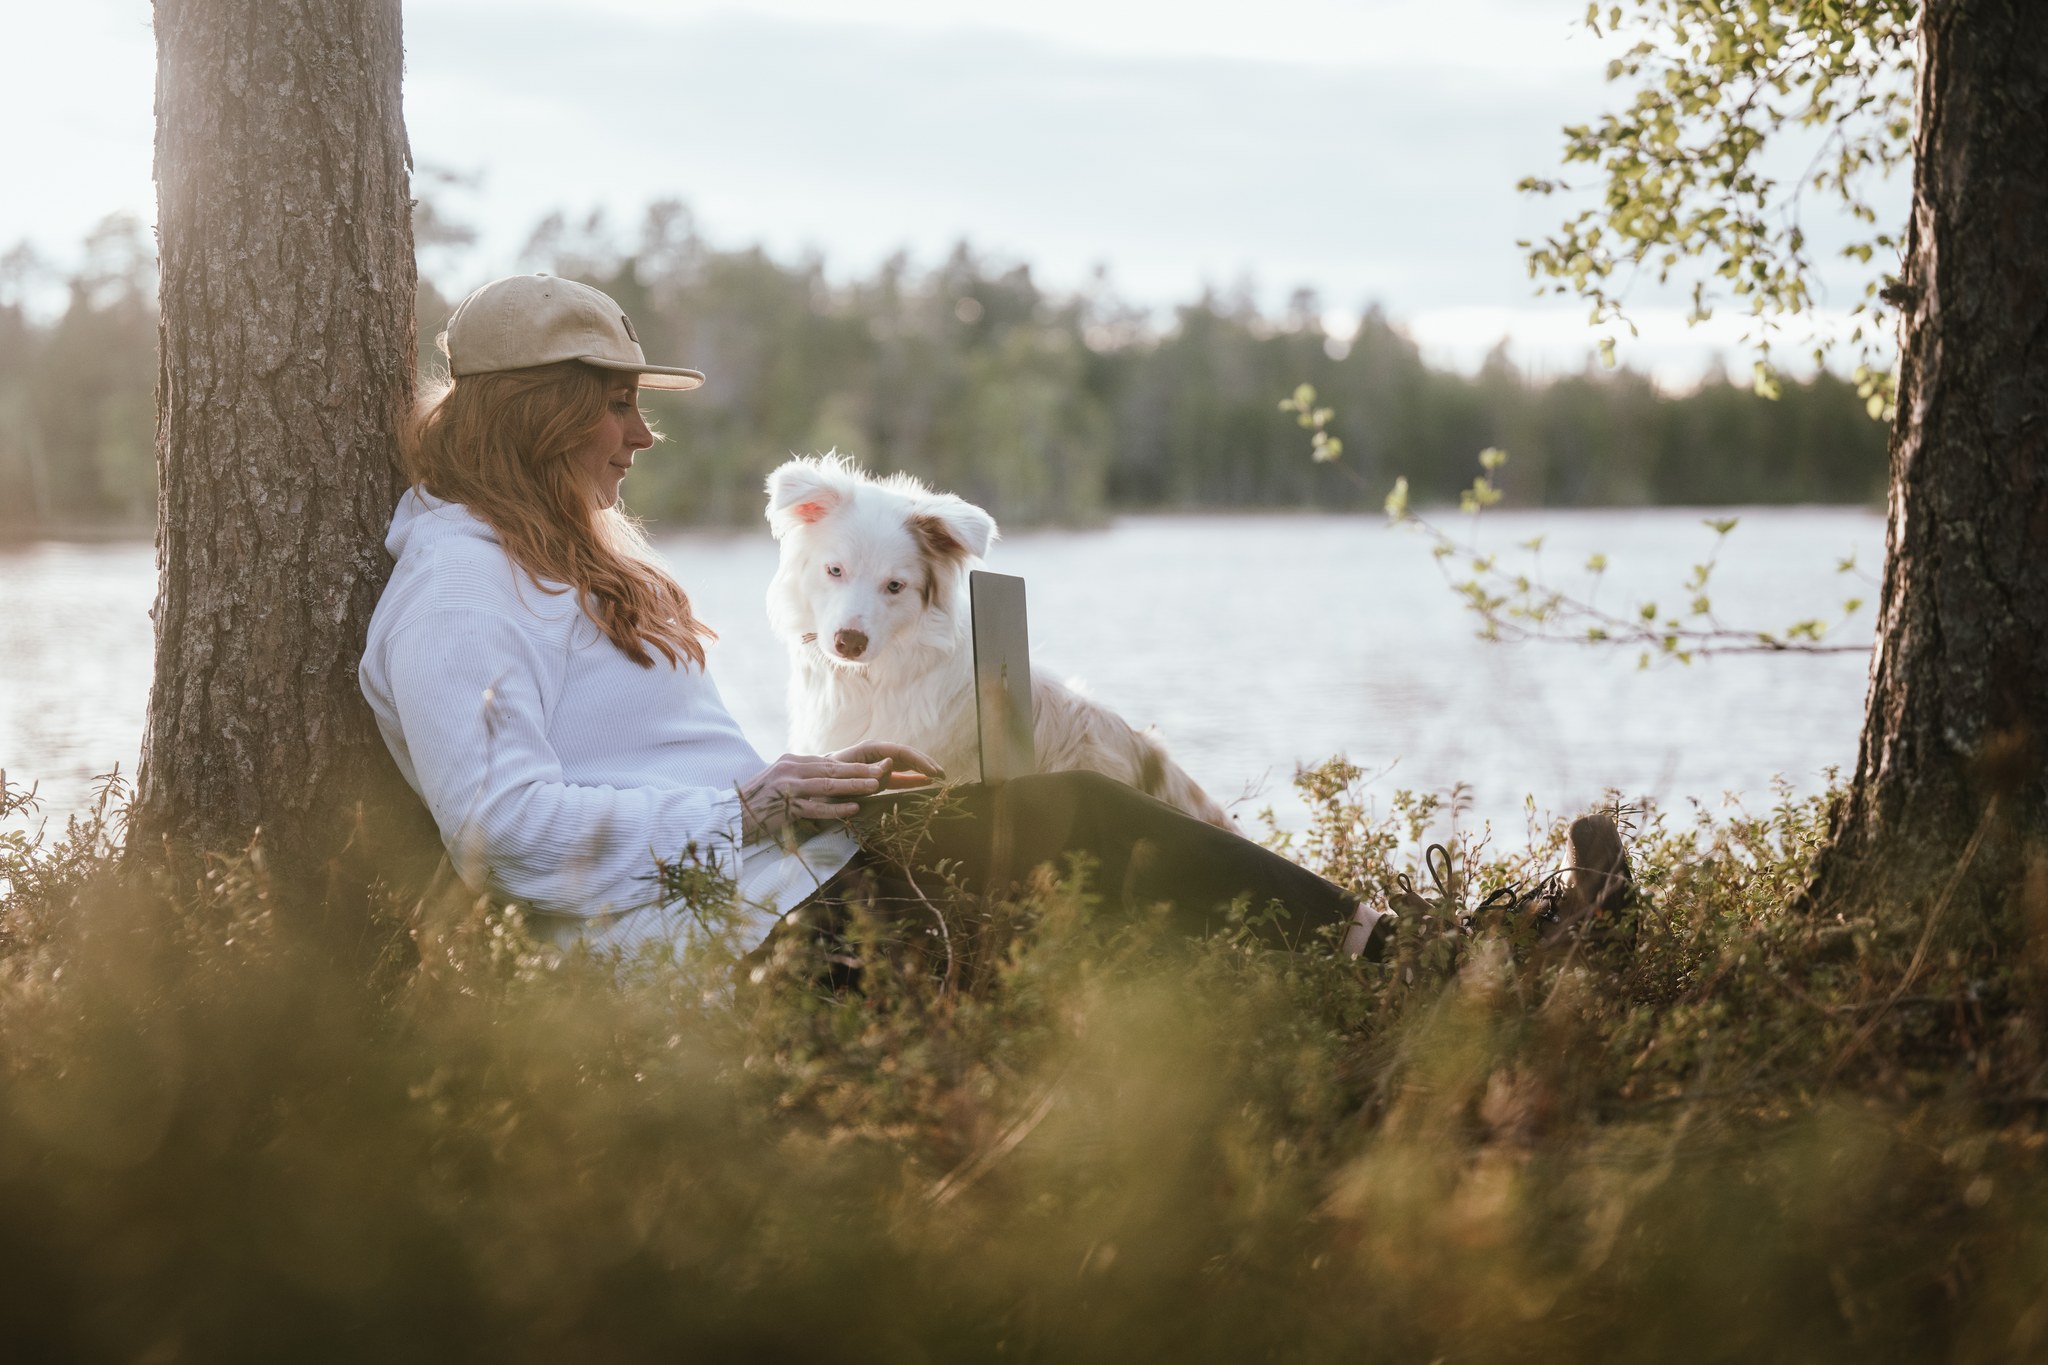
(834, 570)
(895, 586)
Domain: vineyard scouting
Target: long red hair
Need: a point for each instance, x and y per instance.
(499, 444)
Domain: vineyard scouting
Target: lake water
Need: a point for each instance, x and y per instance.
(1254, 643)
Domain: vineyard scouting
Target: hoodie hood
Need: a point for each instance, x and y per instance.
(423, 520)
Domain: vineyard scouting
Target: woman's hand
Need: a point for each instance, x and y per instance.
(812, 787)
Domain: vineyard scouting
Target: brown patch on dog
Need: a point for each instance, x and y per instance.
(936, 543)
(936, 539)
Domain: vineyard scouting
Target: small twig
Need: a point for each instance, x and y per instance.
(1524, 607)
(1896, 1002)
(1520, 607)
(1919, 958)
(895, 838)
(945, 931)
(963, 1176)
(1692, 1097)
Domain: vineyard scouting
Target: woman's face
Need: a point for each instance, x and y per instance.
(604, 458)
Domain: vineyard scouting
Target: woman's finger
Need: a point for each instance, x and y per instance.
(818, 789)
(838, 786)
(837, 768)
(827, 810)
(896, 755)
(903, 756)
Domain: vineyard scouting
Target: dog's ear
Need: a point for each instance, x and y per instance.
(804, 491)
(952, 528)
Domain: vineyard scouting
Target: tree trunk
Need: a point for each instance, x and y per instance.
(286, 365)
(1958, 709)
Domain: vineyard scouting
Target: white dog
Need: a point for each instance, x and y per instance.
(871, 598)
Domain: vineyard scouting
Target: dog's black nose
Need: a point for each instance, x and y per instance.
(851, 644)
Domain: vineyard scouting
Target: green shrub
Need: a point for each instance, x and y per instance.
(1719, 1130)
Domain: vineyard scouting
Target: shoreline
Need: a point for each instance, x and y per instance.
(17, 540)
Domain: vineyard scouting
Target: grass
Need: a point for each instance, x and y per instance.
(1718, 1130)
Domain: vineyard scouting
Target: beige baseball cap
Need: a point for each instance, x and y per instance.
(527, 320)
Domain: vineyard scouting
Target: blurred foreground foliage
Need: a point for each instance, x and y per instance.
(1713, 1130)
(1041, 406)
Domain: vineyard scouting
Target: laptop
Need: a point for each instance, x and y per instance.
(1002, 676)
(1002, 686)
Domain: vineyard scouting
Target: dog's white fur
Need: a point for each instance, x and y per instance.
(871, 598)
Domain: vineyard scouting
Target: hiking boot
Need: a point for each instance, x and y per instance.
(1373, 930)
(1588, 899)
(1600, 877)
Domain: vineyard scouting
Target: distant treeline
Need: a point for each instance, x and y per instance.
(1044, 407)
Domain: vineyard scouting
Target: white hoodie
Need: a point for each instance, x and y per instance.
(558, 769)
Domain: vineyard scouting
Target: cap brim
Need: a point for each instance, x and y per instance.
(671, 377)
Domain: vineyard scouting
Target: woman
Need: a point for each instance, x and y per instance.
(542, 684)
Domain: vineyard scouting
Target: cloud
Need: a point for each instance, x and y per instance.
(1503, 35)
(1367, 150)
(1368, 182)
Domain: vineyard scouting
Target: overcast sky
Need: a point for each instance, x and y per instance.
(1367, 149)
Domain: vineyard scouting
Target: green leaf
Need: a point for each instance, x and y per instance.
(1481, 494)
(1397, 500)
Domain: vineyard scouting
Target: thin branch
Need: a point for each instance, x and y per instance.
(963, 1176)
(1919, 959)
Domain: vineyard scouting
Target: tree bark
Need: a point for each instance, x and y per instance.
(1956, 732)
(286, 365)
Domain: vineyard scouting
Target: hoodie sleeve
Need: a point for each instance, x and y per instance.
(469, 692)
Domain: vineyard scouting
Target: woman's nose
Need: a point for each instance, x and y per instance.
(638, 436)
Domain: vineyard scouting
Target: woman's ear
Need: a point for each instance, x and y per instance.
(951, 527)
(804, 491)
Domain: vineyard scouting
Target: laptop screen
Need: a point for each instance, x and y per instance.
(1002, 675)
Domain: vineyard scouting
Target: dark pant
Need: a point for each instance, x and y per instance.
(1140, 853)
